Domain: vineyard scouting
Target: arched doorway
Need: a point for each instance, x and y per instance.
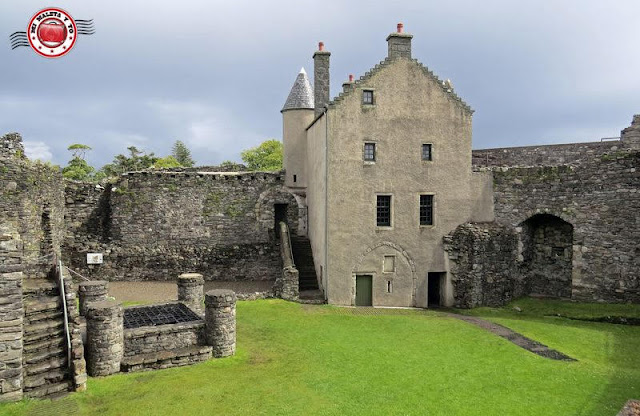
(547, 255)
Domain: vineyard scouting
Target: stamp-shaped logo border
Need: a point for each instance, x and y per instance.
(52, 32)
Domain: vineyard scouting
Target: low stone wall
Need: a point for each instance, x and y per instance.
(287, 284)
(483, 265)
(150, 339)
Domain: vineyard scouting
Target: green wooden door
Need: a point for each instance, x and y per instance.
(364, 290)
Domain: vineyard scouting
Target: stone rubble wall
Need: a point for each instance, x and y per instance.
(483, 265)
(11, 315)
(156, 225)
(600, 197)
(150, 339)
(31, 198)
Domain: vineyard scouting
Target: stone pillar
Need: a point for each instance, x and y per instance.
(78, 363)
(191, 291)
(321, 79)
(92, 291)
(11, 315)
(105, 337)
(220, 321)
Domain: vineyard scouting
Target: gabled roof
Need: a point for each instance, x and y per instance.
(301, 95)
(445, 86)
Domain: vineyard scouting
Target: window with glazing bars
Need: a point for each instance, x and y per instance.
(367, 97)
(426, 152)
(370, 152)
(383, 211)
(426, 209)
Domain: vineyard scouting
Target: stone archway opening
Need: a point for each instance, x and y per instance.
(547, 255)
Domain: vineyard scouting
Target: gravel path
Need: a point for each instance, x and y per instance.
(516, 338)
(165, 291)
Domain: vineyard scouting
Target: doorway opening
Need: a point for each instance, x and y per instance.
(435, 283)
(280, 214)
(364, 290)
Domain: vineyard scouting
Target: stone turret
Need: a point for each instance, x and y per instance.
(631, 135)
(297, 114)
(399, 43)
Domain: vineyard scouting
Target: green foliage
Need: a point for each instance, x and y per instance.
(267, 156)
(78, 169)
(227, 164)
(182, 154)
(297, 359)
(136, 160)
(166, 163)
(79, 150)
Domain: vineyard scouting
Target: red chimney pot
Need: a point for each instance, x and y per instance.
(320, 46)
(400, 27)
(350, 77)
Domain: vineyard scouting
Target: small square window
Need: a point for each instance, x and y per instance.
(367, 97)
(426, 209)
(383, 211)
(389, 264)
(370, 152)
(426, 152)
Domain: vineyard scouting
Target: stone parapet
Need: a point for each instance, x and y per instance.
(105, 339)
(220, 321)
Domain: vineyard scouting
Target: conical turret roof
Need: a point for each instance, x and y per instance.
(301, 95)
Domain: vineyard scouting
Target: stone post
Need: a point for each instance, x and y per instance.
(105, 337)
(11, 315)
(191, 291)
(92, 291)
(220, 321)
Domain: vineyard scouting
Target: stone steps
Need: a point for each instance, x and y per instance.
(166, 359)
(53, 363)
(36, 318)
(45, 344)
(39, 356)
(49, 390)
(42, 304)
(52, 376)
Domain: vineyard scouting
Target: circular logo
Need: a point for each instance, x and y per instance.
(52, 32)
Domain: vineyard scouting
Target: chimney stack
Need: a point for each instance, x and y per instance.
(399, 43)
(321, 79)
(347, 84)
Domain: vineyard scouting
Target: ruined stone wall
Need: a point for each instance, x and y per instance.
(544, 155)
(32, 201)
(157, 225)
(483, 265)
(150, 339)
(600, 198)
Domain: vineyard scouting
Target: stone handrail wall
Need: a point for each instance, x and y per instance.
(287, 284)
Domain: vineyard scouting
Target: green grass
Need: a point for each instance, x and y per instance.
(301, 360)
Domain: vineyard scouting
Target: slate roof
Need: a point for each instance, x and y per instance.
(301, 95)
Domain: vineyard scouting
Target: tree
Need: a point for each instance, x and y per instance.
(166, 163)
(78, 169)
(267, 156)
(182, 154)
(137, 160)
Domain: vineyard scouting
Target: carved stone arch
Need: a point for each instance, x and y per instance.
(401, 251)
(265, 212)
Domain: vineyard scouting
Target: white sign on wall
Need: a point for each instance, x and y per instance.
(94, 258)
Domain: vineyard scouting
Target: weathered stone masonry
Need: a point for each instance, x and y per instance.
(154, 226)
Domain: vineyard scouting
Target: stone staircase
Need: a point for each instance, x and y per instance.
(303, 259)
(44, 361)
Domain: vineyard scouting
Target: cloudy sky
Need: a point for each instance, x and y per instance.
(215, 74)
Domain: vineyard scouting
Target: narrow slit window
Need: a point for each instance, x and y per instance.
(367, 97)
(389, 287)
(383, 211)
(427, 153)
(426, 209)
(370, 152)
(295, 178)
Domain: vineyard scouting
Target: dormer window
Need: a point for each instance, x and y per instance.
(367, 97)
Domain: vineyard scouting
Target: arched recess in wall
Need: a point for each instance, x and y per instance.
(546, 251)
(266, 210)
(371, 253)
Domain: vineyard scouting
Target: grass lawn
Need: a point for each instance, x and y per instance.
(295, 359)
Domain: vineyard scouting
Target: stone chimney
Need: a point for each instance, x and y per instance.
(630, 136)
(321, 79)
(346, 86)
(399, 43)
